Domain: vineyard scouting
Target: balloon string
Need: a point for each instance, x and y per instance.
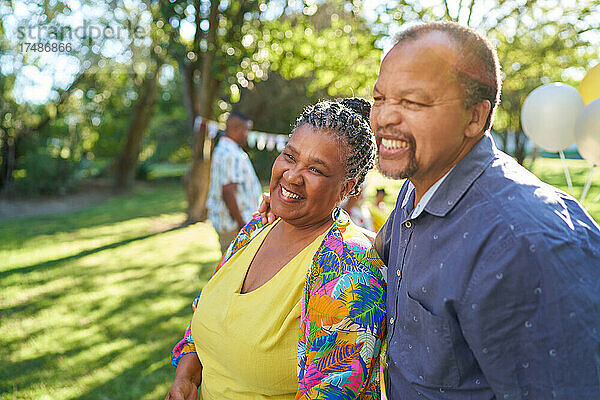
(567, 175)
(586, 188)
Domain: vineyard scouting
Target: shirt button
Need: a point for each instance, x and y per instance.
(392, 320)
(398, 272)
(408, 224)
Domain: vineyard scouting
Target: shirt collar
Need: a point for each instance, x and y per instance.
(230, 140)
(448, 190)
(462, 176)
(426, 197)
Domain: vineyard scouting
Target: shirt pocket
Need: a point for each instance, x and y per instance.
(426, 350)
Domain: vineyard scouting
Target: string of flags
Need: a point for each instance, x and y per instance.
(256, 139)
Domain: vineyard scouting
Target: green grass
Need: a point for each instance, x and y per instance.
(551, 171)
(167, 170)
(92, 302)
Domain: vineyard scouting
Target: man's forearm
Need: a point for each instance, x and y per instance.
(231, 203)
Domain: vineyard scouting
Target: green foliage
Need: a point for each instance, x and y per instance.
(45, 174)
(336, 49)
(168, 135)
(274, 104)
(45, 165)
(537, 45)
(262, 161)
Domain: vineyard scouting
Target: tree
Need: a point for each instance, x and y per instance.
(19, 119)
(214, 52)
(153, 57)
(237, 43)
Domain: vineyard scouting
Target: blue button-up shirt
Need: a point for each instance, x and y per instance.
(493, 289)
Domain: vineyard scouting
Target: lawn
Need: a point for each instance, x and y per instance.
(92, 301)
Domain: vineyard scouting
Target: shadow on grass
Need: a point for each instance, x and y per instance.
(137, 381)
(52, 263)
(151, 340)
(17, 374)
(111, 317)
(144, 375)
(144, 202)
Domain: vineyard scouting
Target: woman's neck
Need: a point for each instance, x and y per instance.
(288, 232)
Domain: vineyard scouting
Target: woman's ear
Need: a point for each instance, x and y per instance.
(347, 188)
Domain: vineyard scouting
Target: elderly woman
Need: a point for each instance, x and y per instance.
(295, 308)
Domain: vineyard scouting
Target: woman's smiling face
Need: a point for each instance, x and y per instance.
(308, 178)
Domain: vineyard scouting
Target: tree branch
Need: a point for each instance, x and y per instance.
(470, 12)
(197, 20)
(447, 10)
(64, 95)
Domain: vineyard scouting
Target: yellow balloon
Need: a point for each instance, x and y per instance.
(590, 85)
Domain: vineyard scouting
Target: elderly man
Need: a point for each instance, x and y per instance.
(493, 276)
(234, 190)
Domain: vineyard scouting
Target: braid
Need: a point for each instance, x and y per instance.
(348, 120)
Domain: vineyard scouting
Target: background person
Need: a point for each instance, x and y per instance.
(308, 275)
(358, 211)
(234, 190)
(379, 210)
(379, 199)
(493, 275)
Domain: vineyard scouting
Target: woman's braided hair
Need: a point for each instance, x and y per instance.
(348, 119)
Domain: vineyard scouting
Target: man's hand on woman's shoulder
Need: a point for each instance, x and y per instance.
(264, 209)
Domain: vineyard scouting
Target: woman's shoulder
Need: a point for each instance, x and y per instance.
(354, 237)
(347, 250)
(244, 236)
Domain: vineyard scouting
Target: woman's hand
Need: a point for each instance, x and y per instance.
(188, 376)
(265, 209)
(182, 389)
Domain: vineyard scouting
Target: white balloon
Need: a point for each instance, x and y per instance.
(548, 116)
(587, 132)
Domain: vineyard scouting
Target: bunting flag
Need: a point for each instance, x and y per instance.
(256, 139)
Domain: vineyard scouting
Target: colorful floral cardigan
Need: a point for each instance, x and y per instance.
(342, 315)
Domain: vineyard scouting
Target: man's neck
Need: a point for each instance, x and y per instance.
(232, 139)
(421, 187)
(424, 184)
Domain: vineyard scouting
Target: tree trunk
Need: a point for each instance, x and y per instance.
(505, 141)
(520, 151)
(127, 162)
(197, 180)
(8, 165)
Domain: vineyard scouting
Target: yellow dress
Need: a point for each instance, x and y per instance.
(247, 343)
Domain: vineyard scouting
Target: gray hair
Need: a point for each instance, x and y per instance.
(348, 119)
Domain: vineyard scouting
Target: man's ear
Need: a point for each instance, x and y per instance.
(347, 188)
(478, 114)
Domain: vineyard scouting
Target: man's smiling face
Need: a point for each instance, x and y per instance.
(418, 116)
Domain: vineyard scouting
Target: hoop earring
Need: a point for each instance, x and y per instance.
(336, 213)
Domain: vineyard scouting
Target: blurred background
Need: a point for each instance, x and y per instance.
(105, 151)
